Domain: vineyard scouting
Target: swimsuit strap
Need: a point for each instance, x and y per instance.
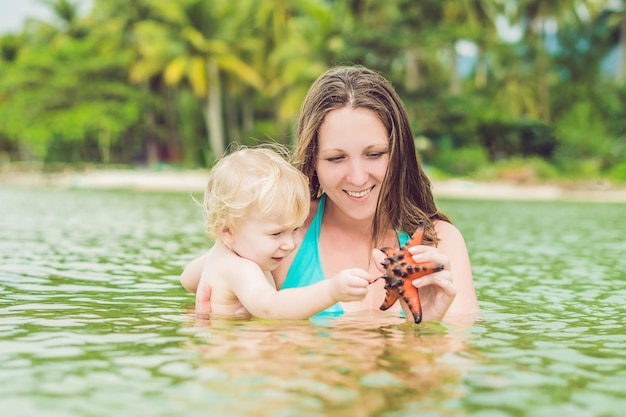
(306, 266)
(316, 223)
(403, 237)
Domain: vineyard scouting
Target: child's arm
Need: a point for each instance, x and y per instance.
(190, 277)
(263, 301)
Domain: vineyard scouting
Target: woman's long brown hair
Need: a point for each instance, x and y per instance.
(406, 196)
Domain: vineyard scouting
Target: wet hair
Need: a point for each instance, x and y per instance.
(406, 195)
(257, 182)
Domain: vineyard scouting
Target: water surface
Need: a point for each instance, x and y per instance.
(93, 321)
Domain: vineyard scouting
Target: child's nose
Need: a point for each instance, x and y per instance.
(289, 243)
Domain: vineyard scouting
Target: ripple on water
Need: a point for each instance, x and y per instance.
(93, 320)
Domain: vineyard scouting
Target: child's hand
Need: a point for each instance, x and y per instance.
(350, 285)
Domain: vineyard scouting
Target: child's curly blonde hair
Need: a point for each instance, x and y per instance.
(255, 182)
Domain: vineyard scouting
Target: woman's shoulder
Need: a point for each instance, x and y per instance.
(446, 230)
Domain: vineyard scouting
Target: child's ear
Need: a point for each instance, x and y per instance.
(226, 233)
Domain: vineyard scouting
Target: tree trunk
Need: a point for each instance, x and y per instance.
(480, 73)
(152, 147)
(543, 85)
(172, 142)
(232, 128)
(213, 110)
(620, 75)
(155, 87)
(543, 91)
(412, 80)
(455, 78)
(152, 151)
(104, 143)
(247, 112)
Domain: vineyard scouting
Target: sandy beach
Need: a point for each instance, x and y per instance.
(194, 181)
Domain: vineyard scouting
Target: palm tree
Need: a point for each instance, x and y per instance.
(114, 23)
(539, 18)
(64, 86)
(184, 42)
(618, 22)
(298, 40)
(68, 92)
(474, 21)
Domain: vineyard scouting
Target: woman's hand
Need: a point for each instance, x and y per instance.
(203, 302)
(203, 299)
(436, 290)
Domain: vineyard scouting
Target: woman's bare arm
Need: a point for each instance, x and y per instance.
(448, 294)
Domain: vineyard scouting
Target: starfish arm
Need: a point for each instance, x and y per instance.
(412, 299)
(390, 298)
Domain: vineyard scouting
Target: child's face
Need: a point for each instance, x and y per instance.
(265, 242)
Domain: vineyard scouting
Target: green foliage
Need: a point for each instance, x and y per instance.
(520, 170)
(460, 161)
(9, 47)
(582, 136)
(152, 80)
(69, 92)
(618, 172)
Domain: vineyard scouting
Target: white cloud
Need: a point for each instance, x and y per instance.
(14, 13)
(466, 48)
(507, 32)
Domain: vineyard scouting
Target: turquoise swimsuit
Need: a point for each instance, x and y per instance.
(306, 268)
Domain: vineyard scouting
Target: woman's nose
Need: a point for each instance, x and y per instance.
(357, 174)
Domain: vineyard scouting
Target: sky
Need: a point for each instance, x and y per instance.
(13, 13)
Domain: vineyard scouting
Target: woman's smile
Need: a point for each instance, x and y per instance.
(360, 194)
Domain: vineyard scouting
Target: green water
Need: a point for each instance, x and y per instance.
(93, 321)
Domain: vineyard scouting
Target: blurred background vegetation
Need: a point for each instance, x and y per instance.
(525, 90)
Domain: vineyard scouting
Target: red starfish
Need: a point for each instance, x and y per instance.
(401, 270)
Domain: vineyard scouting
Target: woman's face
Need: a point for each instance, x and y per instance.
(353, 158)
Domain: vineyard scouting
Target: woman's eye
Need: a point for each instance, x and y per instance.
(375, 155)
(334, 159)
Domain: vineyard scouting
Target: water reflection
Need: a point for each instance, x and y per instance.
(92, 319)
(350, 365)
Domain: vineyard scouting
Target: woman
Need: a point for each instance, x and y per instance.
(368, 190)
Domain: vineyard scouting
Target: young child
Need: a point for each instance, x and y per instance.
(255, 202)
